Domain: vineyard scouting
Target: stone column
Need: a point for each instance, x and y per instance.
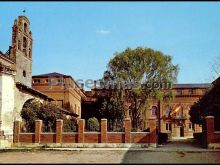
(59, 131)
(17, 128)
(81, 126)
(127, 123)
(153, 130)
(103, 130)
(210, 129)
(38, 127)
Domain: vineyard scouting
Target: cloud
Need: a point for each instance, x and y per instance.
(103, 32)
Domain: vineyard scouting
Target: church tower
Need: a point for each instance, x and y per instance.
(21, 50)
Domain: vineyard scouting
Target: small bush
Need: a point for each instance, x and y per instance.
(70, 125)
(93, 124)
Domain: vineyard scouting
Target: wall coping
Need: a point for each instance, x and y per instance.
(141, 132)
(210, 117)
(70, 132)
(95, 132)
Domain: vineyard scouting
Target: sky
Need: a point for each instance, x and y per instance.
(79, 38)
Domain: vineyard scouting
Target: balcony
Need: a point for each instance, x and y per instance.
(180, 117)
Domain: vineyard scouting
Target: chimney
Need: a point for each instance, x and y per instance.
(82, 86)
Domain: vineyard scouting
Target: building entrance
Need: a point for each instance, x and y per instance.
(182, 131)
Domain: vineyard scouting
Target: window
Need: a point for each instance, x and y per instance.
(192, 91)
(154, 111)
(24, 73)
(19, 44)
(190, 126)
(24, 42)
(180, 112)
(168, 126)
(78, 110)
(29, 53)
(48, 81)
(60, 81)
(167, 111)
(37, 81)
(179, 92)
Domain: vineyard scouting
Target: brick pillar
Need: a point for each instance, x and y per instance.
(127, 123)
(153, 130)
(17, 128)
(59, 131)
(81, 125)
(210, 129)
(103, 130)
(38, 127)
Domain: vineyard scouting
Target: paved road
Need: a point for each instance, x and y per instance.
(175, 152)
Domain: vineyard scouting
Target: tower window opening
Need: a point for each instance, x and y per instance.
(29, 52)
(25, 27)
(24, 73)
(24, 42)
(19, 44)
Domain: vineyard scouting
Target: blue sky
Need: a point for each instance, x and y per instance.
(79, 38)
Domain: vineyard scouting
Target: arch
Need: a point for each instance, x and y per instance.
(25, 120)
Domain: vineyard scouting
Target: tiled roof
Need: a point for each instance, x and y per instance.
(204, 85)
(53, 74)
(33, 91)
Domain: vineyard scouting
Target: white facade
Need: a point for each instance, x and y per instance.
(7, 99)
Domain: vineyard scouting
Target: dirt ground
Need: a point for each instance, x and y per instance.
(174, 152)
(107, 156)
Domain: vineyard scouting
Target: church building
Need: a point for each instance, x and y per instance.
(16, 79)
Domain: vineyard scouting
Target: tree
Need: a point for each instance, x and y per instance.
(133, 70)
(48, 113)
(208, 105)
(215, 67)
(112, 109)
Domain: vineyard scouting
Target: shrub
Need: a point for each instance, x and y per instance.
(70, 125)
(93, 124)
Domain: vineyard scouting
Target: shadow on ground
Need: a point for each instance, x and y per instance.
(175, 151)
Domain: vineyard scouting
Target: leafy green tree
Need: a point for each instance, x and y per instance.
(133, 70)
(48, 113)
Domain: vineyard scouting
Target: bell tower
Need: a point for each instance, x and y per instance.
(21, 50)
